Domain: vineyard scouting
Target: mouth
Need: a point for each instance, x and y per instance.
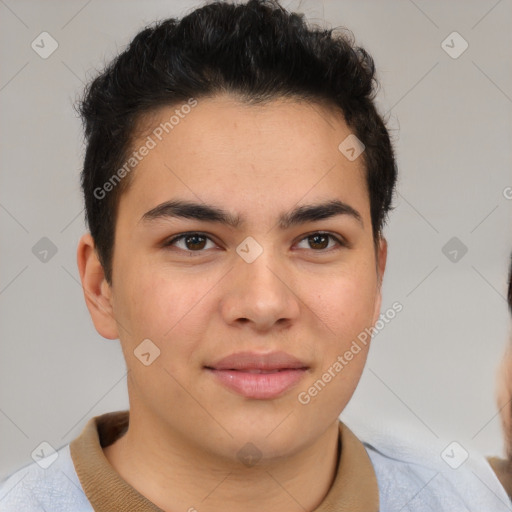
(251, 370)
(258, 376)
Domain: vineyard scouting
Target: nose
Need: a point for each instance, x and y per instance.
(260, 295)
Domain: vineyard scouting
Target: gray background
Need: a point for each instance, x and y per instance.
(432, 368)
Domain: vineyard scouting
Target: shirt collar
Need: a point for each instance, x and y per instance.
(354, 487)
(503, 470)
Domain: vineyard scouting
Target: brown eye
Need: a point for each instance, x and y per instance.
(195, 242)
(191, 242)
(320, 242)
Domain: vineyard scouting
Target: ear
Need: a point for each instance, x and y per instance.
(381, 257)
(97, 292)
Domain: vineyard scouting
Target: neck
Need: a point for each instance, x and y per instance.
(175, 475)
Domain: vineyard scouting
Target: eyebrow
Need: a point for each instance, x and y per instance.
(205, 212)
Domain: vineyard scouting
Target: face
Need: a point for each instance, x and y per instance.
(245, 234)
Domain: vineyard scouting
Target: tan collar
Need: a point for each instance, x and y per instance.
(503, 470)
(354, 488)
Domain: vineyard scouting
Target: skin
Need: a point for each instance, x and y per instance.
(306, 298)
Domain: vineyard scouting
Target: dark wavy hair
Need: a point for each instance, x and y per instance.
(256, 51)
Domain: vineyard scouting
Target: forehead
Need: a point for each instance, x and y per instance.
(227, 149)
(223, 122)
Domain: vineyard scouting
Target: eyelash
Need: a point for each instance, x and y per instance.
(339, 241)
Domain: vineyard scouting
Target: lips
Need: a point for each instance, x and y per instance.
(245, 361)
(258, 376)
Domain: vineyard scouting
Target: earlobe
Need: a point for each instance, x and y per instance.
(97, 292)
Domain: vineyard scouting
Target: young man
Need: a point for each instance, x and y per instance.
(236, 181)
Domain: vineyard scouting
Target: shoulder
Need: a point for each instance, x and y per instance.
(48, 484)
(421, 473)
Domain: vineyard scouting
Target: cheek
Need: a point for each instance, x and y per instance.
(146, 305)
(347, 309)
(347, 303)
(152, 307)
(164, 308)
